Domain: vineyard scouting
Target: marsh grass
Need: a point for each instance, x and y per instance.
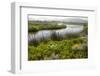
(64, 49)
(34, 27)
(69, 46)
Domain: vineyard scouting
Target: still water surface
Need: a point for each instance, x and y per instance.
(46, 34)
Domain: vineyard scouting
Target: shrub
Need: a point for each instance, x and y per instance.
(64, 49)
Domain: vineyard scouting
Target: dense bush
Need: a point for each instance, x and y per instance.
(65, 49)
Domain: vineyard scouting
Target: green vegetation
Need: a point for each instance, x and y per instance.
(34, 26)
(71, 46)
(64, 49)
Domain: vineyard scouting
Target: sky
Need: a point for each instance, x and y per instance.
(51, 18)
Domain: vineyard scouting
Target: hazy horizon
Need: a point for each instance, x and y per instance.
(52, 18)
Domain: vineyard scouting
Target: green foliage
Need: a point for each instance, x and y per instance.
(74, 46)
(34, 27)
(85, 30)
(65, 49)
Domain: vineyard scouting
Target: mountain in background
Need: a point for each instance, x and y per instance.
(67, 20)
(75, 20)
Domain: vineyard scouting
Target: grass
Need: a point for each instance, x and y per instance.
(64, 49)
(34, 27)
(74, 46)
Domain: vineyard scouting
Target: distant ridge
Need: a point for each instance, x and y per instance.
(75, 20)
(69, 20)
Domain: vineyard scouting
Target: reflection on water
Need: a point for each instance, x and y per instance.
(46, 34)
